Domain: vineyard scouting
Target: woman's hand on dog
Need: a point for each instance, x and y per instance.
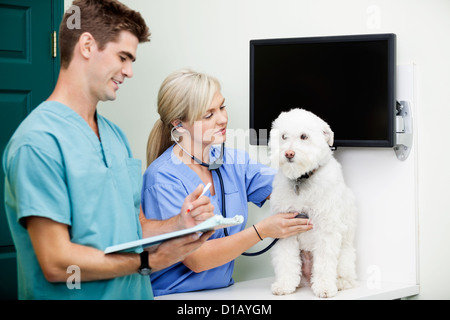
(283, 225)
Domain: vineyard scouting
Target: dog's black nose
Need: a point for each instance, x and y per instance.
(289, 154)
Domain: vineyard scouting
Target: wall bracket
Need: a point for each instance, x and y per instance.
(404, 130)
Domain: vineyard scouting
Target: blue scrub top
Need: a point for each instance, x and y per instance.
(167, 181)
(56, 167)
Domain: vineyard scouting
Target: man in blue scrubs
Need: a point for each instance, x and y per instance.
(72, 186)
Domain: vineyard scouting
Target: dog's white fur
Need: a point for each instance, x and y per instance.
(323, 196)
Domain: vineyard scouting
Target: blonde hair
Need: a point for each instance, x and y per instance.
(184, 95)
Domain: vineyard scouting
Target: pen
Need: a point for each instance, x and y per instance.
(203, 193)
(205, 189)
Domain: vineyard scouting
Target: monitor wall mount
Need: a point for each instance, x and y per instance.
(404, 130)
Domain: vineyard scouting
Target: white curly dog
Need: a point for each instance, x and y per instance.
(310, 181)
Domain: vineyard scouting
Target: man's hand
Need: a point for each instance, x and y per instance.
(175, 250)
(55, 252)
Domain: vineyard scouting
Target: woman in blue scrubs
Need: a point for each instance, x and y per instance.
(192, 108)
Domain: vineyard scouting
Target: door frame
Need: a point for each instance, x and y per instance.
(8, 252)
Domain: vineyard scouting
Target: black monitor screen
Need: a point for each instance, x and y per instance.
(349, 81)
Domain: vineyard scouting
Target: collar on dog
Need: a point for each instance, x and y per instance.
(301, 179)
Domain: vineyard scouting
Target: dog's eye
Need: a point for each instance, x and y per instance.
(284, 137)
(304, 137)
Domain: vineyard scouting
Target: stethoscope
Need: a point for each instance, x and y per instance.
(215, 166)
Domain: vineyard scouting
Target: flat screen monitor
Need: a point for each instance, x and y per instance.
(348, 81)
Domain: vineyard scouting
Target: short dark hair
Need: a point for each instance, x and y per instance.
(104, 19)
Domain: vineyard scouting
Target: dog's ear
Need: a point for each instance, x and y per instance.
(273, 139)
(329, 135)
(274, 147)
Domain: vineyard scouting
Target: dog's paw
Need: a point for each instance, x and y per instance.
(279, 288)
(346, 283)
(324, 289)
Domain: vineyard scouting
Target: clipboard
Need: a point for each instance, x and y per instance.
(213, 223)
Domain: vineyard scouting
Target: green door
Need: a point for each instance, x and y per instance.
(28, 73)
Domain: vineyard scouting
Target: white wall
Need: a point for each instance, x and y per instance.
(212, 36)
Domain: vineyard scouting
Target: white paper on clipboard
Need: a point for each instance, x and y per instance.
(213, 223)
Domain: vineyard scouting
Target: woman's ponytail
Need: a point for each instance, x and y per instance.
(158, 141)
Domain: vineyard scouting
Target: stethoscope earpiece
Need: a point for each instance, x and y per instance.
(216, 164)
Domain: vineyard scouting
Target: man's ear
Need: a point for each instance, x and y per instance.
(87, 44)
